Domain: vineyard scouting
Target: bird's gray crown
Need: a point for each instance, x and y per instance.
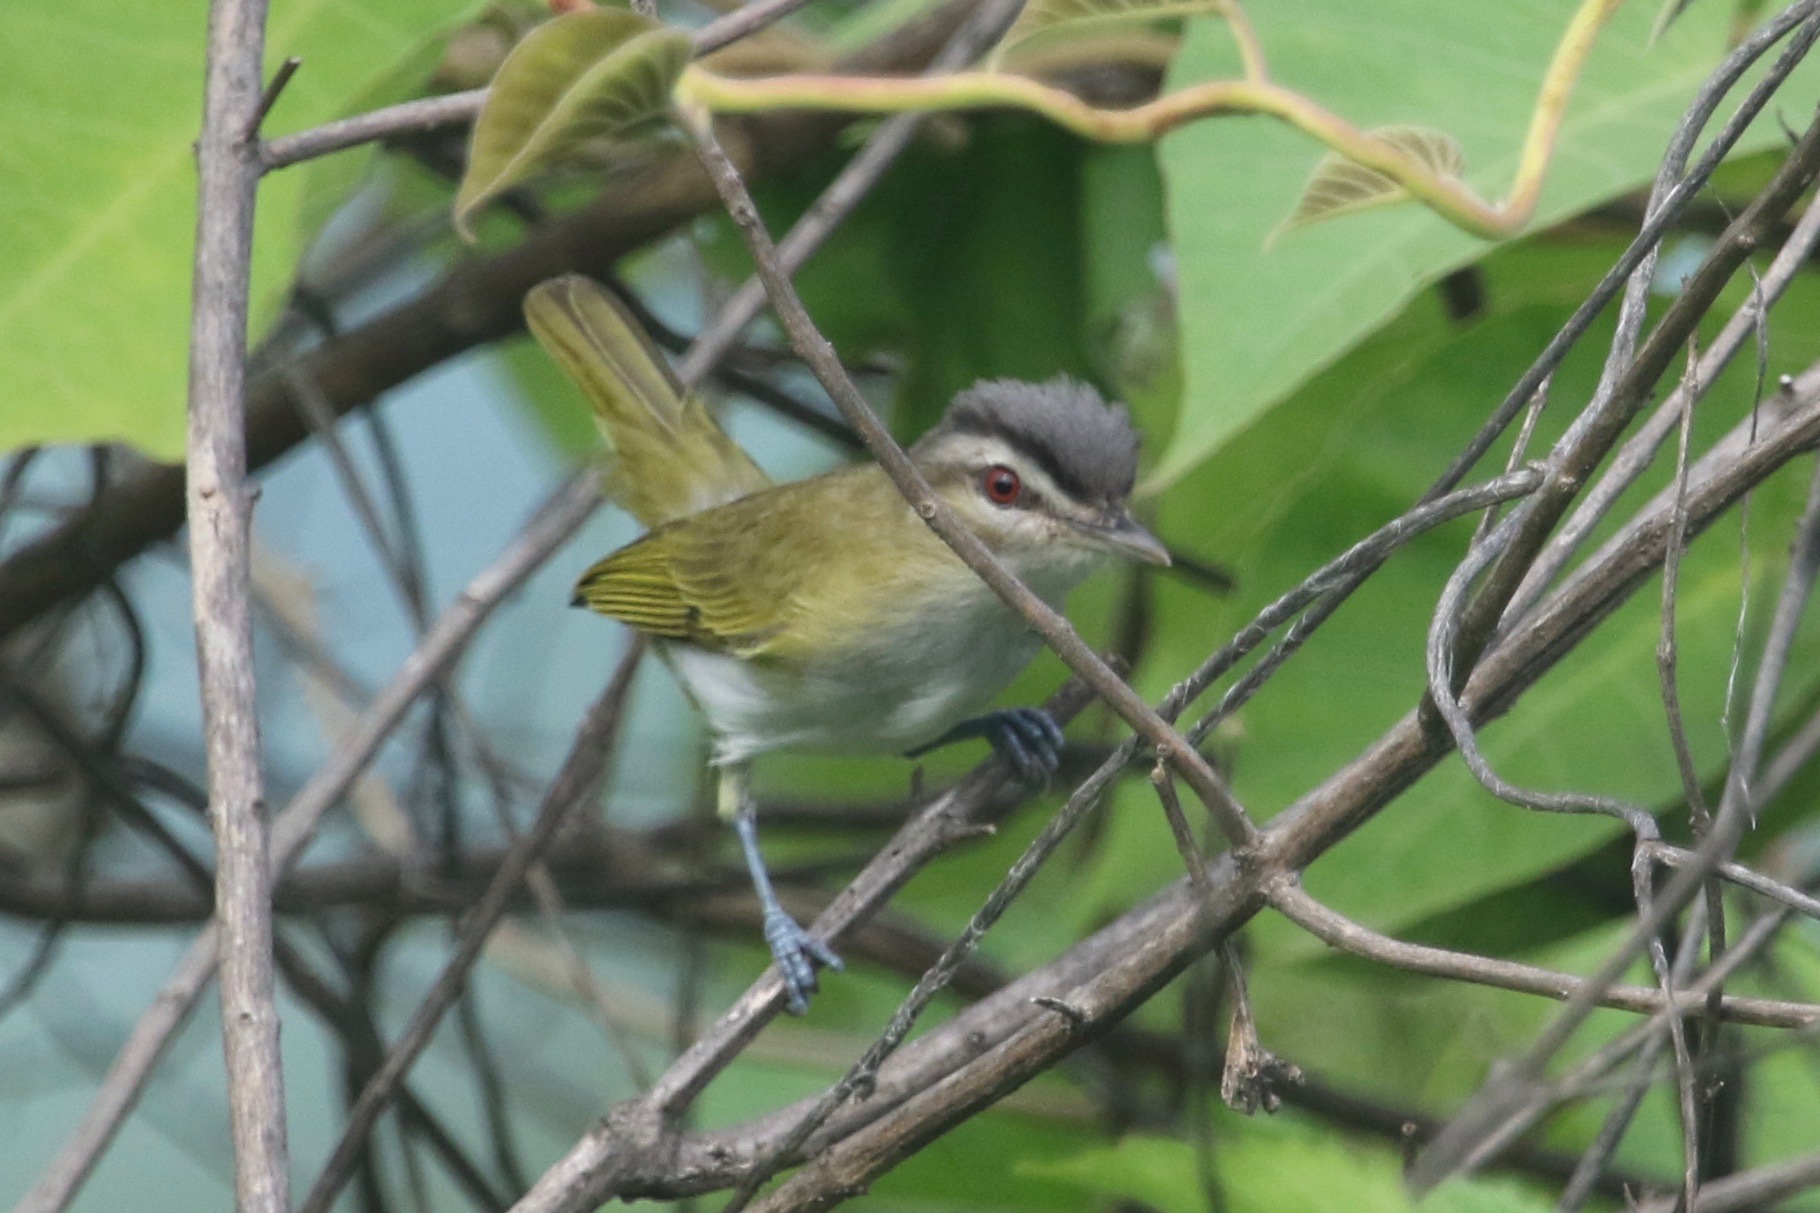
(1065, 427)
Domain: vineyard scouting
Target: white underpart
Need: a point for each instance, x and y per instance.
(927, 670)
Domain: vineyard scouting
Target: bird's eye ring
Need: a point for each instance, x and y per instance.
(1002, 485)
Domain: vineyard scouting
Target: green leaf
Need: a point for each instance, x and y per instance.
(99, 118)
(1039, 18)
(1256, 323)
(1342, 187)
(601, 74)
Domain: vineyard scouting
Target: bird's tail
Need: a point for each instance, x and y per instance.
(669, 457)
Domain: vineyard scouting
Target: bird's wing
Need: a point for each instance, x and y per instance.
(705, 579)
(787, 573)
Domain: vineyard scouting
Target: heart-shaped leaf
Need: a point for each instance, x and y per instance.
(1041, 17)
(1342, 187)
(599, 74)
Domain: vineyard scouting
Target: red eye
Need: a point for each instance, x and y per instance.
(1002, 484)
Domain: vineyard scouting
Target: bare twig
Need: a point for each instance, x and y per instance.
(406, 118)
(1699, 814)
(220, 515)
(1331, 927)
(1327, 589)
(453, 109)
(1638, 452)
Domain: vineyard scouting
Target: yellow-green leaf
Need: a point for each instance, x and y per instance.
(602, 74)
(1041, 17)
(1342, 187)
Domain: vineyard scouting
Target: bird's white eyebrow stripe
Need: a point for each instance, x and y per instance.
(982, 450)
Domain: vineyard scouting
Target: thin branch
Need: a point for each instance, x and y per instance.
(1640, 449)
(220, 513)
(407, 118)
(1327, 589)
(1293, 902)
(742, 22)
(454, 109)
(1699, 814)
(1667, 651)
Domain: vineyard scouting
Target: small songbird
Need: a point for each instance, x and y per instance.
(824, 614)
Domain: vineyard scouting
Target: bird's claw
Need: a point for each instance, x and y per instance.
(797, 952)
(1029, 740)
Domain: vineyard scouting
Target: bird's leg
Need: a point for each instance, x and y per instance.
(796, 951)
(1028, 739)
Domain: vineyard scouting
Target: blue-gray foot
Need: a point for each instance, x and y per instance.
(1028, 739)
(796, 952)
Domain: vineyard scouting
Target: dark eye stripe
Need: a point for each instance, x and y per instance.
(1042, 456)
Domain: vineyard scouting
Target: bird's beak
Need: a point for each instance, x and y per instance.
(1119, 532)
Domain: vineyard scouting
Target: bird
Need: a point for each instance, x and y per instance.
(823, 614)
